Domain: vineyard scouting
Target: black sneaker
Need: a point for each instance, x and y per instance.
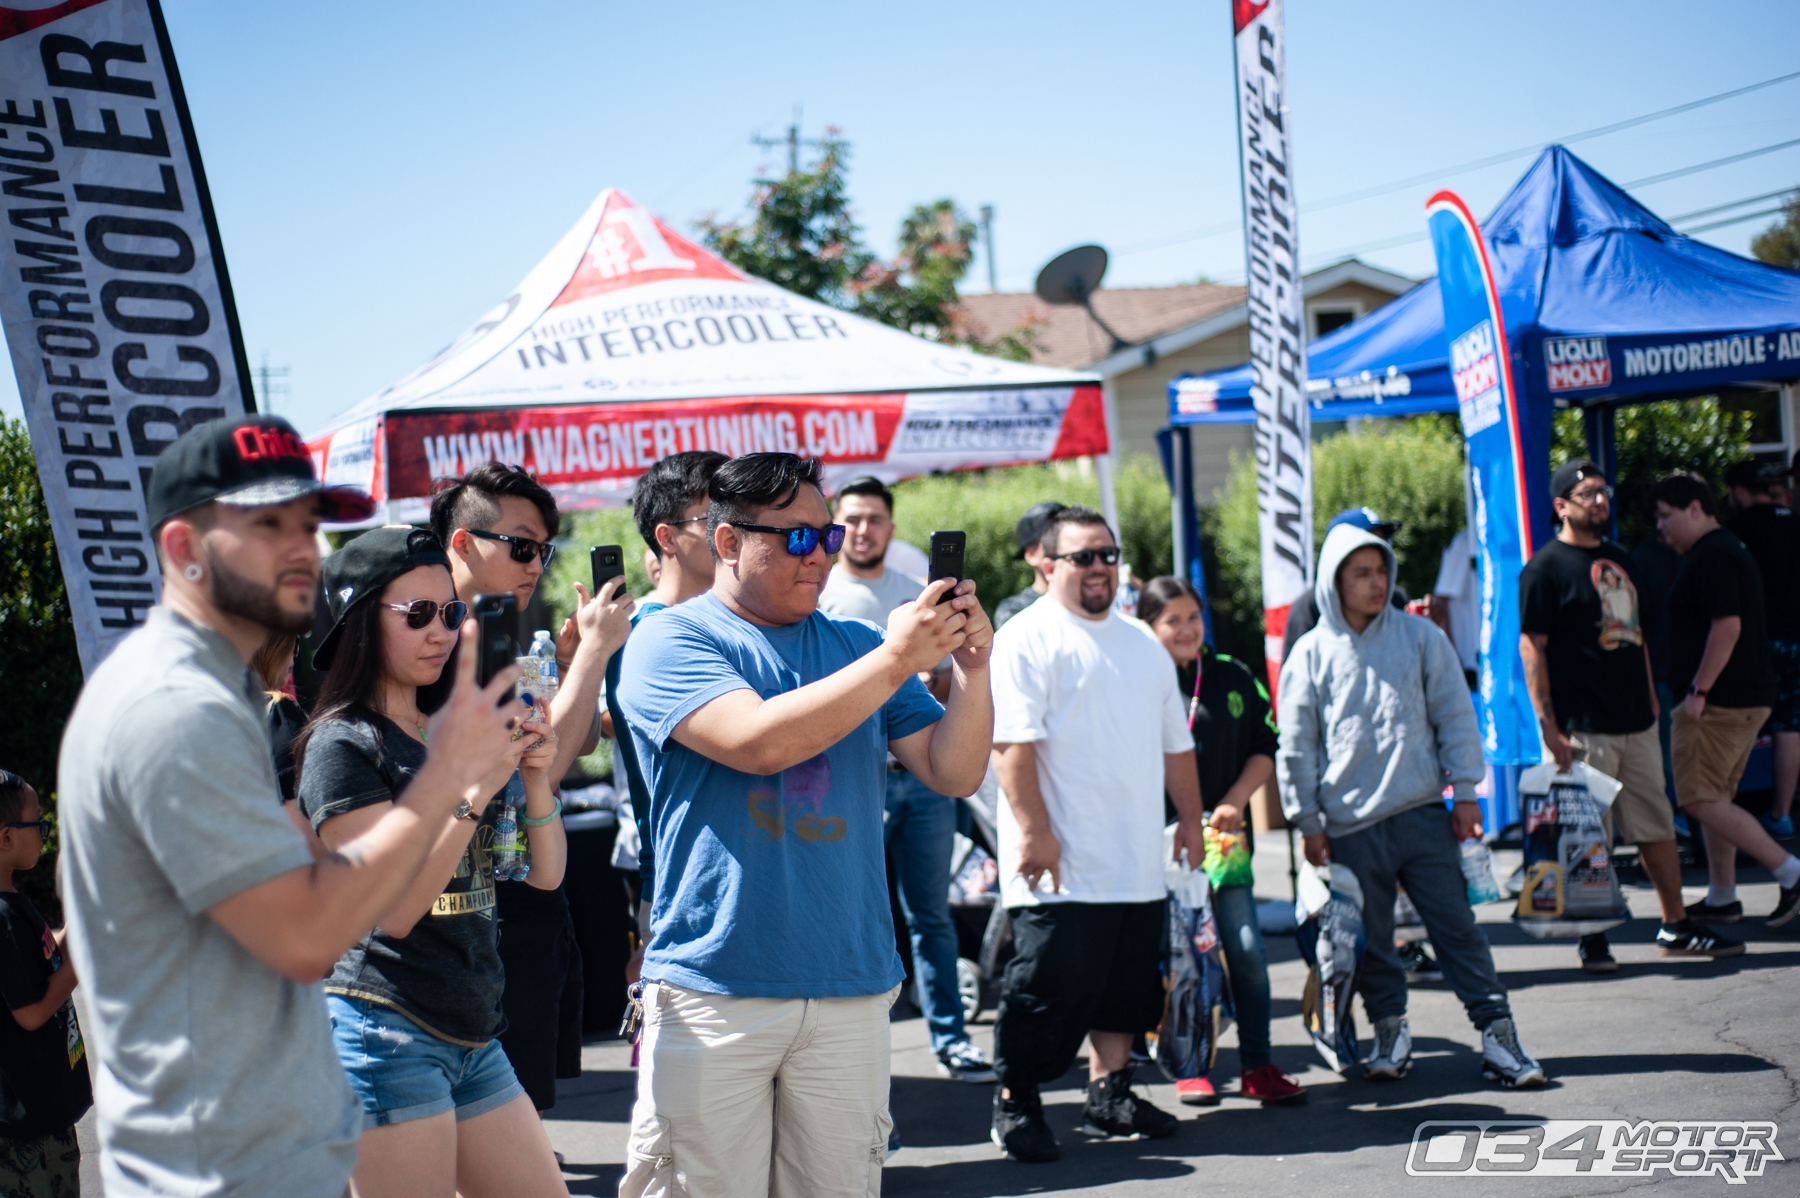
(1417, 962)
(1113, 1110)
(1690, 939)
(1705, 912)
(1787, 905)
(1019, 1129)
(1596, 954)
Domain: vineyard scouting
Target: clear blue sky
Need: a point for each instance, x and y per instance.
(385, 172)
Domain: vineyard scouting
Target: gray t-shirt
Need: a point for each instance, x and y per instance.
(870, 599)
(214, 1074)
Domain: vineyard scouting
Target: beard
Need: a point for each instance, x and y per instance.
(236, 595)
(1095, 604)
(868, 562)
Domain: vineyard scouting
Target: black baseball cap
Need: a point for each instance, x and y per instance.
(357, 573)
(1036, 519)
(1570, 473)
(246, 461)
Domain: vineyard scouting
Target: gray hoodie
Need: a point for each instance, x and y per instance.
(1372, 724)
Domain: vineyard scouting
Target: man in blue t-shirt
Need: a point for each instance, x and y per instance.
(762, 726)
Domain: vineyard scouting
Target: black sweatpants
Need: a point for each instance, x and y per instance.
(1076, 968)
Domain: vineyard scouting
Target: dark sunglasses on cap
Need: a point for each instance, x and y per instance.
(1086, 557)
(523, 548)
(420, 611)
(802, 540)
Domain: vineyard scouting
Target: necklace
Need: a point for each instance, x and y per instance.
(424, 736)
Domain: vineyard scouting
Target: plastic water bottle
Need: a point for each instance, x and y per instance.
(1478, 873)
(539, 673)
(511, 860)
(1125, 602)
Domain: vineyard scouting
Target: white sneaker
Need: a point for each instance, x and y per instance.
(1391, 1057)
(964, 1062)
(1504, 1061)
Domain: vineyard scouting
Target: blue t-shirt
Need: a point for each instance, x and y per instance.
(766, 886)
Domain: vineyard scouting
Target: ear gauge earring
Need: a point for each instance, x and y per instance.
(191, 572)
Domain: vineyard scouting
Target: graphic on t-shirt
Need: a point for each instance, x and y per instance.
(797, 799)
(1618, 605)
(471, 888)
(53, 955)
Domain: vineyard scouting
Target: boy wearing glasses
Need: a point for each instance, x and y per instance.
(496, 524)
(762, 724)
(1588, 668)
(44, 1086)
(1090, 727)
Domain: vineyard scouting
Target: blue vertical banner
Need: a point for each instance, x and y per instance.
(1481, 368)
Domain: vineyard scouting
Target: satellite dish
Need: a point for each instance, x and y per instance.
(1072, 277)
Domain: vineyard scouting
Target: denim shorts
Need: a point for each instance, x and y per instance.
(401, 1072)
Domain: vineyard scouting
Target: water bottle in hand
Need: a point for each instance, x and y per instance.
(1478, 873)
(511, 852)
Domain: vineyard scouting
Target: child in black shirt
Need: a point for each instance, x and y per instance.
(44, 1086)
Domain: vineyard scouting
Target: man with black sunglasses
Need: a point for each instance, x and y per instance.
(497, 524)
(762, 724)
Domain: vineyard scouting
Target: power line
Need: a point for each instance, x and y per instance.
(1728, 207)
(1735, 220)
(1707, 166)
(1477, 164)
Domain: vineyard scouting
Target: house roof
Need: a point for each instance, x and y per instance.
(1155, 320)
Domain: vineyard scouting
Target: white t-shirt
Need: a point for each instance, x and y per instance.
(868, 599)
(906, 558)
(1099, 700)
(1458, 581)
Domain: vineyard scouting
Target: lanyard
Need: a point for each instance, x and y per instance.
(1199, 675)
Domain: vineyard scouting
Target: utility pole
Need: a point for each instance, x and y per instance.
(268, 389)
(987, 235)
(793, 141)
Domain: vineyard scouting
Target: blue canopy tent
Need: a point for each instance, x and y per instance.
(1605, 304)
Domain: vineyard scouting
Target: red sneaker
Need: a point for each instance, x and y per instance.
(1270, 1084)
(1196, 1091)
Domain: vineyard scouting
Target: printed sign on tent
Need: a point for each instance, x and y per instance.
(1277, 310)
(116, 303)
(1481, 368)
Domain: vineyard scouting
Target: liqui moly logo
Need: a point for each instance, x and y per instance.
(1473, 365)
(1577, 363)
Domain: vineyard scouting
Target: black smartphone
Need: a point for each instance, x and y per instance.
(496, 616)
(609, 563)
(947, 559)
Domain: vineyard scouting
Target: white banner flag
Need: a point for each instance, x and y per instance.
(1277, 317)
(113, 290)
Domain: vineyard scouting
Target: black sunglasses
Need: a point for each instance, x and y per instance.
(42, 825)
(1086, 557)
(420, 611)
(523, 548)
(802, 540)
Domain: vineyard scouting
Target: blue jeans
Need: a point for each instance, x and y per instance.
(919, 827)
(1234, 907)
(401, 1072)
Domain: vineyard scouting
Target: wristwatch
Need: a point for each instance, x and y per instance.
(1694, 690)
(464, 811)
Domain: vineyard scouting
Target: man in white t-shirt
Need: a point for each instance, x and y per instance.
(1089, 729)
(919, 823)
(1460, 583)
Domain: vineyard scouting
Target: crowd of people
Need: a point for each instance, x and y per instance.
(303, 975)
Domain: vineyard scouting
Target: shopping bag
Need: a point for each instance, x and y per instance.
(1570, 885)
(1228, 859)
(1332, 939)
(1198, 1007)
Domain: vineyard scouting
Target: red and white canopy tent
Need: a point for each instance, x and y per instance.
(628, 343)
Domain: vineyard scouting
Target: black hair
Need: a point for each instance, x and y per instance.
(867, 485)
(1680, 490)
(669, 488)
(1073, 514)
(757, 480)
(1159, 591)
(353, 679)
(473, 501)
(1758, 478)
(12, 797)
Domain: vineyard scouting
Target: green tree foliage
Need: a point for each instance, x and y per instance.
(800, 236)
(1779, 244)
(1407, 470)
(1653, 441)
(38, 661)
